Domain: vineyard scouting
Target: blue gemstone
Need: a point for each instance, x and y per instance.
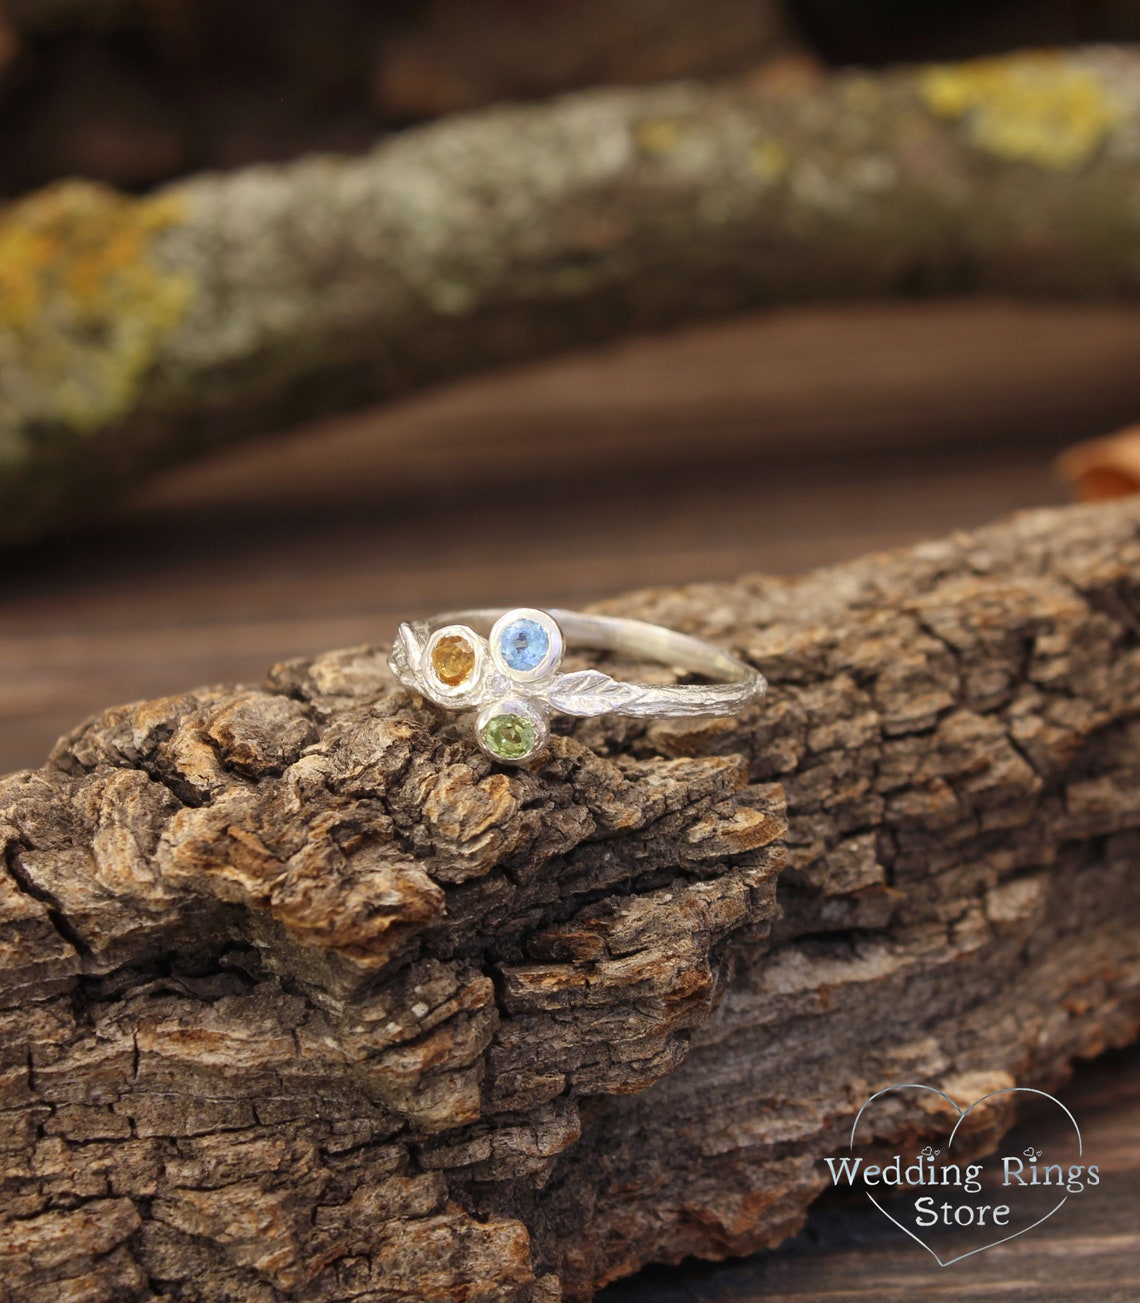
(523, 645)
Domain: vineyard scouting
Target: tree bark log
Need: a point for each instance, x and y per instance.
(304, 999)
(136, 332)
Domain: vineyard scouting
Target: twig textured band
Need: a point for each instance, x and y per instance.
(511, 674)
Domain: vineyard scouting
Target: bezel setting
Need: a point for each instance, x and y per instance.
(512, 707)
(555, 644)
(469, 687)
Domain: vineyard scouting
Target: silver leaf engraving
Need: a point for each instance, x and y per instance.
(407, 653)
(590, 692)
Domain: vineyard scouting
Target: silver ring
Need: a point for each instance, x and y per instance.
(510, 674)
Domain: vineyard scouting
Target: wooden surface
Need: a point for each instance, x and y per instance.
(302, 998)
(774, 444)
(849, 1253)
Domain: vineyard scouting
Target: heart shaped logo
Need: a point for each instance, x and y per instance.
(956, 1210)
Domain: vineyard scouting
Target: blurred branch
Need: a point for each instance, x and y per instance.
(459, 54)
(91, 101)
(137, 332)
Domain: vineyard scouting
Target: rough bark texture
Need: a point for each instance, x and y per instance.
(303, 999)
(137, 332)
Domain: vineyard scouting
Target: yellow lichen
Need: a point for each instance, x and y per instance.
(769, 160)
(658, 136)
(83, 305)
(1040, 108)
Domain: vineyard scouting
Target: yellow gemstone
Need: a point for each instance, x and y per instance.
(453, 660)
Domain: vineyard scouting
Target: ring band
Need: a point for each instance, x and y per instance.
(510, 674)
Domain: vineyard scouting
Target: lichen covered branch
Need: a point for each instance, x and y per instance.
(136, 332)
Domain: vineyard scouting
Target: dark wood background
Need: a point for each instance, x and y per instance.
(776, 443)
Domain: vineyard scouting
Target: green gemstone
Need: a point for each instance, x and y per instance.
(510, 737)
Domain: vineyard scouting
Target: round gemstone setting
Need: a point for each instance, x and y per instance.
(511, 731)
(453, 659)
(453, 663)
(509, 737)
(524, 645)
